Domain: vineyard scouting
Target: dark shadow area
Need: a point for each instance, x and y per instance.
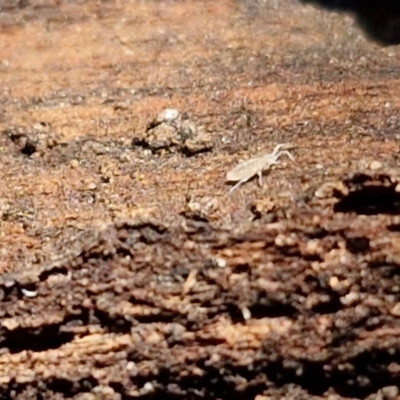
(380, 20)
(370, 200)
(36, 339)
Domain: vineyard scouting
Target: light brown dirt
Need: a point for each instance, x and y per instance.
(127, 269)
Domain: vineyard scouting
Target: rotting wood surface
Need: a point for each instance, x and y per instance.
(127, 269)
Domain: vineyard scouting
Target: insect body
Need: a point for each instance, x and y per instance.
(255, 166)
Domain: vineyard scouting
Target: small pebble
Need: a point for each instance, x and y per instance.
(91, 186)
(396, 310)
(169, 114)
(374, 165)
(29, 293)
(74, 163)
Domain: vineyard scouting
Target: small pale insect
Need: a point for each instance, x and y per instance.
(255, 166)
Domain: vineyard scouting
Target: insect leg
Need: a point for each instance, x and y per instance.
(286, 152)
(238, 184)
(277, 149)
(259, 173)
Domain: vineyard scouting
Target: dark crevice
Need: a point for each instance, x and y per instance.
(366, 374)
(189, 152)
(71, 388)
(272, 309)
(261, 307)
(53, 271)
(312, 257)
(393, 228)
(306, 374)
(163, 317)
(363, 375)
(141, 301)
(36, 339)
(242, 268)
(379, 20)
(387, 270)
(329, 306)
(10, 293)
(123, 251)
(290, 251)
(328, 300)
(234, 312)
(358, 244)
(316, 233)
(115, 324)
(370, 200)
